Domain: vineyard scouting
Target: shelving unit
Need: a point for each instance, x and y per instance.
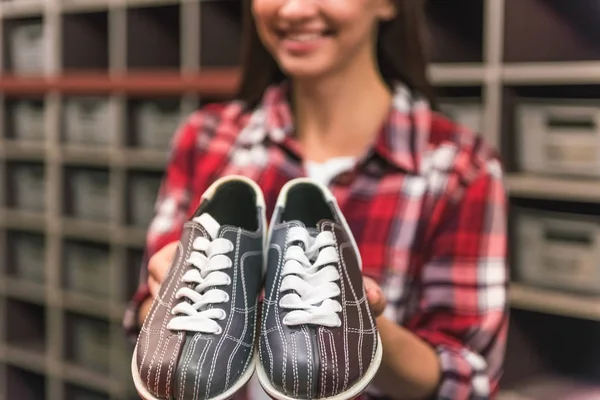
(134, 68)
(93, 112)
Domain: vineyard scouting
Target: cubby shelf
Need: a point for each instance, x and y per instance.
(548, 187)
(555, 302)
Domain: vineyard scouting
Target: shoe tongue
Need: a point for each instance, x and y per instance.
(209, 224)
(312, 230)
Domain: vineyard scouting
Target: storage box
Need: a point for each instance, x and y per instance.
(558, 250)
(91, 194)
(465, 111)
(28, 252)
(156, 123)
(29, 48)
(90, 343)
(28, 117)
(142, 199)
(559, 137)
(87, 269)
(29, 184)
(89, 120)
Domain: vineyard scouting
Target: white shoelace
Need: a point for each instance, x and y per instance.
(308, 272)
(196, 312)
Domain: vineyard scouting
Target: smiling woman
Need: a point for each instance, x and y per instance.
(308, 39)
(337, 91)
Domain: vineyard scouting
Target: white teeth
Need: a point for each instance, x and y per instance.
(304, 37)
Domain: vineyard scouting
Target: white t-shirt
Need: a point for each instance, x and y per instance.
(322, 172)
(325, 171)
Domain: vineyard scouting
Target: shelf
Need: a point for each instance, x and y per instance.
(22, 8)
(217, 83)
(74, 228)
(552, 387)
(23, 290)
(25, 359)
(22, 220)
(552, 73)
(541, 187)
(457, 74)
(210, 82)
(77, 375)
(554, 302)
(92, 306)
(84, 6)
(145, 159)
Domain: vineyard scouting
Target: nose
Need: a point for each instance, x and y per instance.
(298, 9)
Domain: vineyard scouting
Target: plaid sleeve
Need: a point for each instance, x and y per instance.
(462, 311)
(172, 205)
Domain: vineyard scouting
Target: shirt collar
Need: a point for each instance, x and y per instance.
(400, 141)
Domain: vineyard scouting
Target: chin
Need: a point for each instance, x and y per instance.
(304, 69)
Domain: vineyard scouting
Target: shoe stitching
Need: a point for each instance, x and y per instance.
(177, 274)
(242, 277)
(359, 311)
(232, 301)
(201, 360)
(186, 362)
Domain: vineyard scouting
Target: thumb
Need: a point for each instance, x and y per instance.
(375, 296)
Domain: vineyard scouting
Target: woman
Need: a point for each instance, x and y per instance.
(337, 90)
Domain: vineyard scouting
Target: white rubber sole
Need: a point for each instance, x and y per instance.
(351, 393)
(146, 395)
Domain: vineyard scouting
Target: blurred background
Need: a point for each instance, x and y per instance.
(91, 92)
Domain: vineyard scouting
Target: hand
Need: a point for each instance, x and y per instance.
(375, 296)
(158, 266)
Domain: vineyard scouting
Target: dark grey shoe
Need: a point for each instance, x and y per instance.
(198, 340)
(318, 337)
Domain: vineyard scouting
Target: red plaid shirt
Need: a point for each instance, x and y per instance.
(426, 204)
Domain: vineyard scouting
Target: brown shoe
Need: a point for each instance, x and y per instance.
(198, 340)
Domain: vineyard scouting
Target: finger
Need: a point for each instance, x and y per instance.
(160, 262)
(376, 301)
(154, 287)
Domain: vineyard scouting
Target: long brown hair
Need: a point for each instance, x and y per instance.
(400, 53)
